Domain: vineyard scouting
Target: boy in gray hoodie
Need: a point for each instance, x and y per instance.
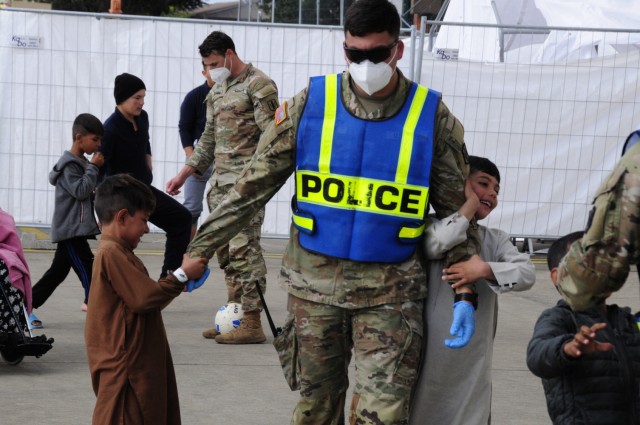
(73, 223)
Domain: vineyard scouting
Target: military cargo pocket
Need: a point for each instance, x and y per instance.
(410, 354)
(286, 344)
(268, 98)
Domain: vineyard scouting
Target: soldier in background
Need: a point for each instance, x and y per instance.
(599, 263)
(239, 107)
(193, 117)
(351, 268)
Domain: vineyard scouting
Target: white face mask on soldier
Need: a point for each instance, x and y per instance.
(371, 77)
(220, 75)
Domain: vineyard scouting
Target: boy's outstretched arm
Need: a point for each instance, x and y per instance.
(545, 355)
(553, 347)
(139, 292)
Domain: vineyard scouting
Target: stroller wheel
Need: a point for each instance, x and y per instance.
(11, 358)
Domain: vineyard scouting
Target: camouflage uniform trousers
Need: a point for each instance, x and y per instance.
(386, 340)
(241, 259)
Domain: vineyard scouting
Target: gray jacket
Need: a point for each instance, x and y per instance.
(75, 180)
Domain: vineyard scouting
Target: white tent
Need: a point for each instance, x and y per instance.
(530, 43)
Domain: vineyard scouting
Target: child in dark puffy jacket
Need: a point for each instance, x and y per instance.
(589, 361)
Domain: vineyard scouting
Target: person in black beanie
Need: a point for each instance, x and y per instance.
(127, 149)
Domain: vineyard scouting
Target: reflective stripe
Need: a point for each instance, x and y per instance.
(304, 222)
(408, 131)
(329, 123)
(411, 232)
(362, 194)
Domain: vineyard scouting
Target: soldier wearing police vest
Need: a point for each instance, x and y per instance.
(370, 151)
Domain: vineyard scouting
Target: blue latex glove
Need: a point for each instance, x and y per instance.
(463, 325)
(195, 284)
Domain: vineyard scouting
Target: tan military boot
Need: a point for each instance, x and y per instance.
(249, 331)
(211, 333)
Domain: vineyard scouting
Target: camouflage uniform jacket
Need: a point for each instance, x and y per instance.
(238, 110)
(599, 263)
(324, 279)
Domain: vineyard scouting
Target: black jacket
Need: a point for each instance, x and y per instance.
(193, 115)
(601, 388)
(125, 150)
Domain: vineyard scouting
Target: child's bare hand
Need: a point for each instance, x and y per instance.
(584, 342)
(193, 267)
(472, 202)
(97, 159)
(470, 195)
(466, 272)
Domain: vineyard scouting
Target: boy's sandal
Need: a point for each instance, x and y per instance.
(34, 322)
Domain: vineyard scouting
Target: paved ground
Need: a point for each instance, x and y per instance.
(239, 385)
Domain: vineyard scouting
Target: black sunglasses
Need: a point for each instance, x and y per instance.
(375, 55)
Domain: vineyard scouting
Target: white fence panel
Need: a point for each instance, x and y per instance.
(72, 71)
(554, 130)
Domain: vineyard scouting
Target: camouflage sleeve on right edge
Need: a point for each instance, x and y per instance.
(599, 263)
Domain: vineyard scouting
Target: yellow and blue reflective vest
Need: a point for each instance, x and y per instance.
(362, 187)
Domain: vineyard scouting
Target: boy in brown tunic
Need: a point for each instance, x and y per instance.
(127, 348)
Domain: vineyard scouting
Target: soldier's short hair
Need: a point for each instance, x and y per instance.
(217, 42)
(121, 191)
(366, 17)
(85, 124)
(478, 163)
(560, 247)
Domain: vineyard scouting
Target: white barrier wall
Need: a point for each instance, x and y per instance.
(554, 131)
(70, 68)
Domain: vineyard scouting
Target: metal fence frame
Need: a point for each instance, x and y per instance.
(418, 64)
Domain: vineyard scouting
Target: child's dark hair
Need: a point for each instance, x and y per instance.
(217, 42)
(121, 191)
(85, 124)
(478, 163)
(366, 17)
(560, 247)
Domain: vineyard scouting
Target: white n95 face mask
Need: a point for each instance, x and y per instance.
(220, 75)
(371, 77)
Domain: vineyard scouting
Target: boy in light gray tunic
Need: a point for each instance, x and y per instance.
(454, 386)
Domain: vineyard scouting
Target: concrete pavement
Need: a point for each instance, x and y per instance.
(239, 385)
